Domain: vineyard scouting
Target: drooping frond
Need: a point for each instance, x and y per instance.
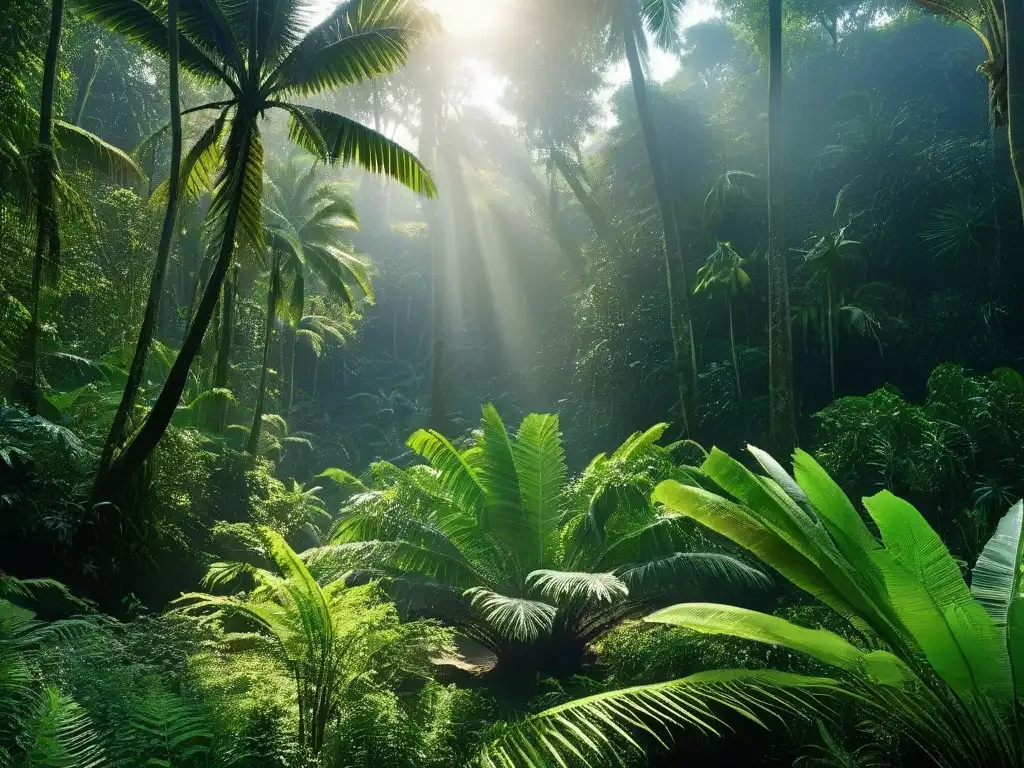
(822, 645)
(598, 730)
(334, 138)
(137, 23)
(88, 151)
(514, 617)
(662, 19)
(242, 174)
(690, 570)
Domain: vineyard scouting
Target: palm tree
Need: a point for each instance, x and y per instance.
(723, 273)
(327, 636)
(782, 414)
(308, 222)
(626, 23)
(661, 18)
(492, 540)
(258, 53)
(999, 24)
(939, 660)
(40, 183)
(149, 321)
(827, 262)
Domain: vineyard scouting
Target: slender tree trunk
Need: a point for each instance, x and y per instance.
(675, 272)
(598, 218)
(82, 99)
(223, 369)
(1013, 15)
(47, 238)
(140, 448)
(257, 417)
(780, 332)
(438, 265)
(735, 359)
(829, 322)
(291, 374)
(138, 366)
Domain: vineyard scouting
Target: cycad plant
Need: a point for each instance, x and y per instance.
(939, 661)
(262, 56)
(492, 540)
(723, 274)
(333, 640)
(308, 222)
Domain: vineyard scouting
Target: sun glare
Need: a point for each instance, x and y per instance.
(471, 18)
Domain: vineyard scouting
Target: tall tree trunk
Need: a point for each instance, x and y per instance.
(156, 285)
(735, 359)
(1013, 15)
(140, 448)
(675, 271)
(47, 238)
(257, 416)
(223, 369)
(290, 402)
(82, 98)
(598, 218)
(782, 416)
(431, 114)
(830, 323)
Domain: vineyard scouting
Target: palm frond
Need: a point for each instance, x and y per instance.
(565, 586)
(137, 23)
(514, 617)
(86, 150)
(337, 139)
(602, 729)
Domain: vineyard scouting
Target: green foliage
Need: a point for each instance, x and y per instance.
(493, 539)
(934, 657)
(960, 450)
(334, 642)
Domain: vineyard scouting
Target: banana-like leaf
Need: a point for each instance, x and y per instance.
(996, 585)
(995, 580)
(822, 645)
(736, 523)
(954, 631)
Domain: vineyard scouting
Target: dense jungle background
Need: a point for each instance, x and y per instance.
(378, 381)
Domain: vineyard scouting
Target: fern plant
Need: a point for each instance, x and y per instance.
(334, 641)
(493, 540)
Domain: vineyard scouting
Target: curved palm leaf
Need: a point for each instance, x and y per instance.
(598, 729)
(565, 586)
(514, 617)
